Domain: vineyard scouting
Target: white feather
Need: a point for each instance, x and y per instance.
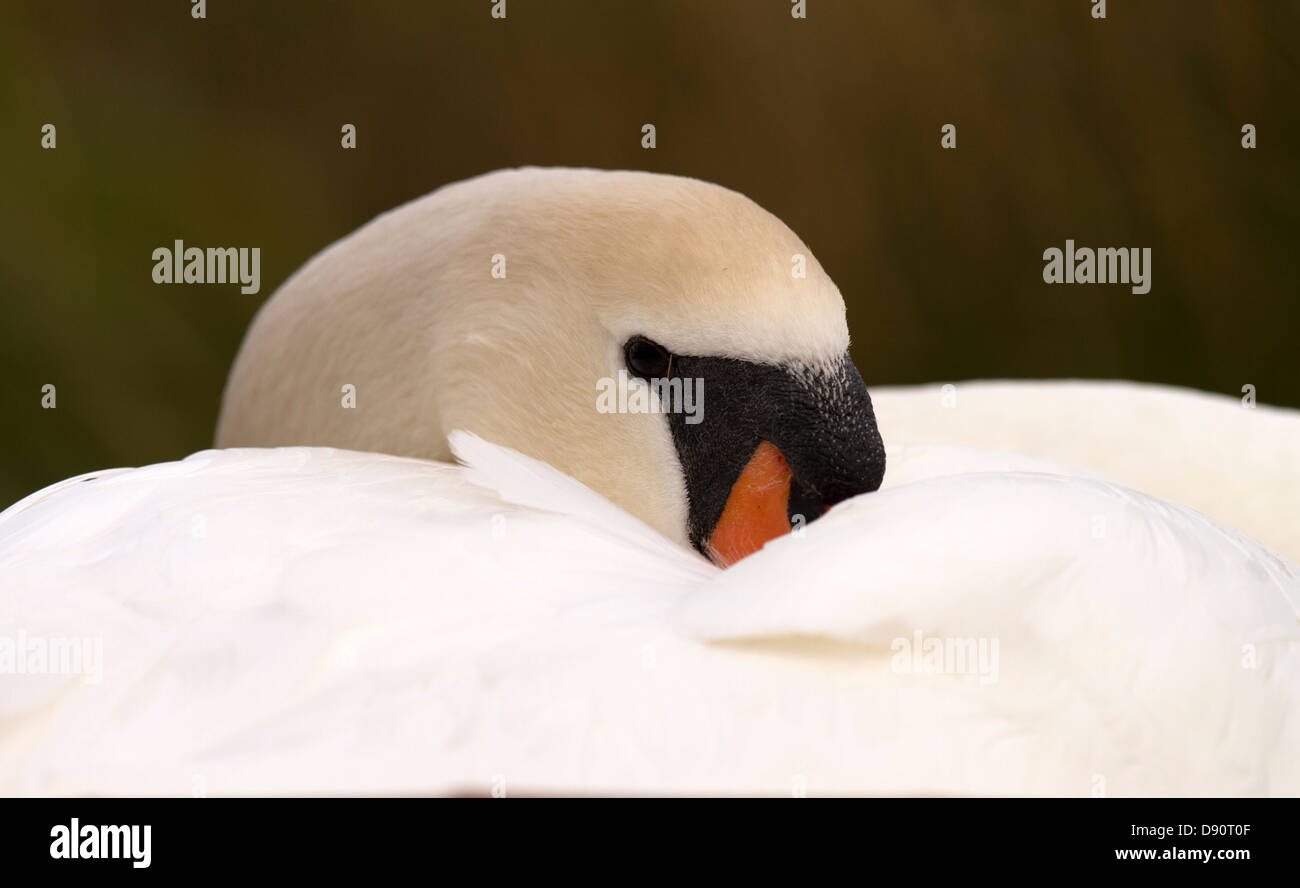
(309, 620)
(1233, 459)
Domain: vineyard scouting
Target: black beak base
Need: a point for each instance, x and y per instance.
(819, 418)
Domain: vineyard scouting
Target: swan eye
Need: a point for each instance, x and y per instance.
(647, 359)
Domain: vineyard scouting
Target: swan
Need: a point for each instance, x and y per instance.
(475, 580)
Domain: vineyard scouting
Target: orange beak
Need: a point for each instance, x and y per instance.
(756, 509)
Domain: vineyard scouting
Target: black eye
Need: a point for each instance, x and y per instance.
(647, 359)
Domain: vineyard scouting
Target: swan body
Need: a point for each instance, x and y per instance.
(1026, 606)
(314, 620)
(1240, 465)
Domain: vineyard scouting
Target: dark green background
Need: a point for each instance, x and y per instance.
(1123, 132)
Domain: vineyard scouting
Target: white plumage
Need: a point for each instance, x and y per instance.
(308, 620)
(1238, 464)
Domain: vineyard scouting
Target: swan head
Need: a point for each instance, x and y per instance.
(663, 340)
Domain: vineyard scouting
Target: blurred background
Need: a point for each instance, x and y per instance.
(225, 132)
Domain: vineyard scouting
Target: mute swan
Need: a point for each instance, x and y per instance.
(317, 619)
